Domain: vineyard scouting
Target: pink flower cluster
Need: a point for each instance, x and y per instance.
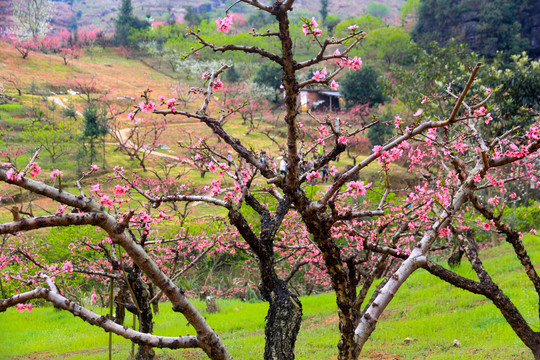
(56, 174)
(312, 28)
(170, 103)
(147, 107)
(217, 85)
(35, 169)
(27, 307)
(67, 267)
(318, 76)
(482, 112)
(355, 63)
(312, 175)
(357, 188)
(223, 25)
(13, 175)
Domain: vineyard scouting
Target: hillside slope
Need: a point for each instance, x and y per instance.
(101, 13)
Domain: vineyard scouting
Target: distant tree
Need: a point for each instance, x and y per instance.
(95, 128)
(331, 22)
(363, 87)
(409, 10)
(32, 18)
(377, 9)
(233, 75)
(379, 133)
(514, 86)
(324, 10)
(125, 22)
(259, 19)
(269, 74)
(490, 22)
(192, 17)
(54, 138)
(390, 44)
(13, 80)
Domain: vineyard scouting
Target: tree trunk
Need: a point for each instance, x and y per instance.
(347, 348)
(282, 323)
(120, 310)
(155, 303)
(146, 325)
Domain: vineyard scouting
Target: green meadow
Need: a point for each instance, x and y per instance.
(426, 310)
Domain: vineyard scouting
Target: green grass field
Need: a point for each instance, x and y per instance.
(430, 312)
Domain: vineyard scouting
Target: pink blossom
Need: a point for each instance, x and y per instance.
(204, 76)
(358, 186)
(424, 99)
(67, 267)
(216, 187)
(94, 167)
(171, 102)
(494, 200)
(56, 173)
(318, 76)
(486, 226)
(313, 174)
(217, 85)
(53, 267)
(337, 53)
(223, 25)
(343, 140)
(352, 28)
(305, 29)
(355, 63)
(418, 113)
(13, 176)
(27, 307)
(94, 297)
(334, 85)
(35, 169)
(444, 232)
(120, 190)
(147, 106)
(95, 187)
(312, 28)
(61, 209)
(397, 122)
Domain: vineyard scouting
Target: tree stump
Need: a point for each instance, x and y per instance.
(211, 305)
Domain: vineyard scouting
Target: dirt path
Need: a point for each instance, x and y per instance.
(58, 101)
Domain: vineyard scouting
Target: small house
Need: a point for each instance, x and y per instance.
(319, 100)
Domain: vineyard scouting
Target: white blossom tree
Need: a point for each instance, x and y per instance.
(32, 18)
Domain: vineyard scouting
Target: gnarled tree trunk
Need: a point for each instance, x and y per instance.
(282, 323)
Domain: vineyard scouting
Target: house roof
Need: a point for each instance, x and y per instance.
(331, 93)
(324, 92)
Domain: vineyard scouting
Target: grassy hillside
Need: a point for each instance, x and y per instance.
(426, 310)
